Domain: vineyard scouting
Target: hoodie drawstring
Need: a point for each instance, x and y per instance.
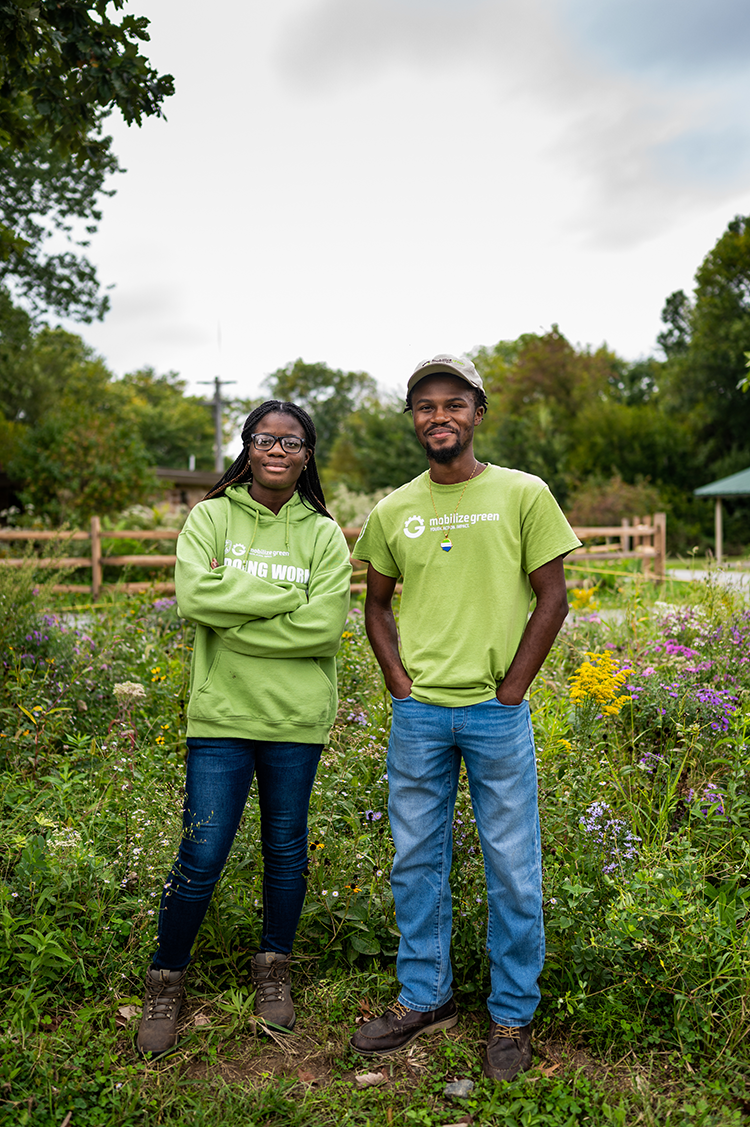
(257, 518)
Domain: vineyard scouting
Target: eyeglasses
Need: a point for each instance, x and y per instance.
(290, 443)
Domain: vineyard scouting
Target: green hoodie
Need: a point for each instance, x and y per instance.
(269, 617)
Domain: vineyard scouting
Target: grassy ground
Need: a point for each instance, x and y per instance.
(641, 720)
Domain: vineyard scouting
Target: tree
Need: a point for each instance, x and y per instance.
(170, 424)
(41, 193)
(76, 464)
(17, 388)
(635, 442)
(64, 66)
(327, 394)
(704, 371)
(675, 338)
(77, 440)
(59, 368)
(537, 387)
(376, 449)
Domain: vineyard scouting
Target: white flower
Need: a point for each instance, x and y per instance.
(128, 692)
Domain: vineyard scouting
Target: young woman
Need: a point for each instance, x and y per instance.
(263, 569)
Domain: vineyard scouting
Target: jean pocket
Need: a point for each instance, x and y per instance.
(520, 704)
(400, 700)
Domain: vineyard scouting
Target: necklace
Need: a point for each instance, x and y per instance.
(445, 543)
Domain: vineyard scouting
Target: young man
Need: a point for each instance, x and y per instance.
(471, 542)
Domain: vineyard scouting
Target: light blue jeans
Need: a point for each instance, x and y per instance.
(424, 755)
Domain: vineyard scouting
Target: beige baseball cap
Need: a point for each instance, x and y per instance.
(447, 365)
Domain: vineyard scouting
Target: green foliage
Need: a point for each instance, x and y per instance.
(632, 442)
(46, 369)
(329, 395)
(674, 340)
(704, 374)
(80, 442)
(63, 68)
(170, 424)
(606, 502)
(539, 388)
(66, 66)
(648, 945)
(44, 193)
(76, 465)
(376, 450)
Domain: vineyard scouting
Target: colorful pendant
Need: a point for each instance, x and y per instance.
(446, 544)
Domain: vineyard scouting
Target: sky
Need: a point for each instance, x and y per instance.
(371, 182)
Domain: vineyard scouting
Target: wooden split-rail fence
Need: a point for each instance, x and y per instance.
(644, 539)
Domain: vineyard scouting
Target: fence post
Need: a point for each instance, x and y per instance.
(660, 543)
(625, 538)
(96, 558)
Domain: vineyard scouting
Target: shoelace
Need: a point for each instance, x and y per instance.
(161, 1002)
(511, 1031)
(399, 1009)
(271, 989)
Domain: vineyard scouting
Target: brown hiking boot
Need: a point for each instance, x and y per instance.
(157, 1033)
(271, 975)
(398, 1027)
(508, 1051)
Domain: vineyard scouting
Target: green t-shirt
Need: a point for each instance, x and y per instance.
(464, 611)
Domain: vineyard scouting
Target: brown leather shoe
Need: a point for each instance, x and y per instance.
(157, 1033)
(271, 975)
(508, 1051)
(398, 1027)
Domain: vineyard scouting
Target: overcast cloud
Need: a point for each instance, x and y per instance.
(368, 182)
(652, 96)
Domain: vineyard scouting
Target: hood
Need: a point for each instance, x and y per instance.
(294, 511)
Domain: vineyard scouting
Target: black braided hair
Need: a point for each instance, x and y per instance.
(308, 485)
(480, 399)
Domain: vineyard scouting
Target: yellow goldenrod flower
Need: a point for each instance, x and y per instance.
(584, 598)
(599, 680)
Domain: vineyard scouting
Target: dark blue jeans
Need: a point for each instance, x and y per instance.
(219, 774)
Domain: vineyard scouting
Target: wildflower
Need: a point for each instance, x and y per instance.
(583, 598)
(650, 761)
(128, 692)
(609, 836)
(599, 681)
(373, 815)
(712, 802)
(347, 634)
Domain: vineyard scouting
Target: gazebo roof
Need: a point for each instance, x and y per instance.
(737, 485)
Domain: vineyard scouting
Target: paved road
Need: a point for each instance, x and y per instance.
(726, 576)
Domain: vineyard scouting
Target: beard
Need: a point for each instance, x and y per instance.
(444, 454)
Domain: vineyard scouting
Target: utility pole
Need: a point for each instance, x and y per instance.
(218, 404)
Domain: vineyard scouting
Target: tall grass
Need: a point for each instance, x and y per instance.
(641, 719)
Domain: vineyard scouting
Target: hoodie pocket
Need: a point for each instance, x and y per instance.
(292, 690)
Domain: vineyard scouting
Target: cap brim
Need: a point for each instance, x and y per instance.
(444, 369)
